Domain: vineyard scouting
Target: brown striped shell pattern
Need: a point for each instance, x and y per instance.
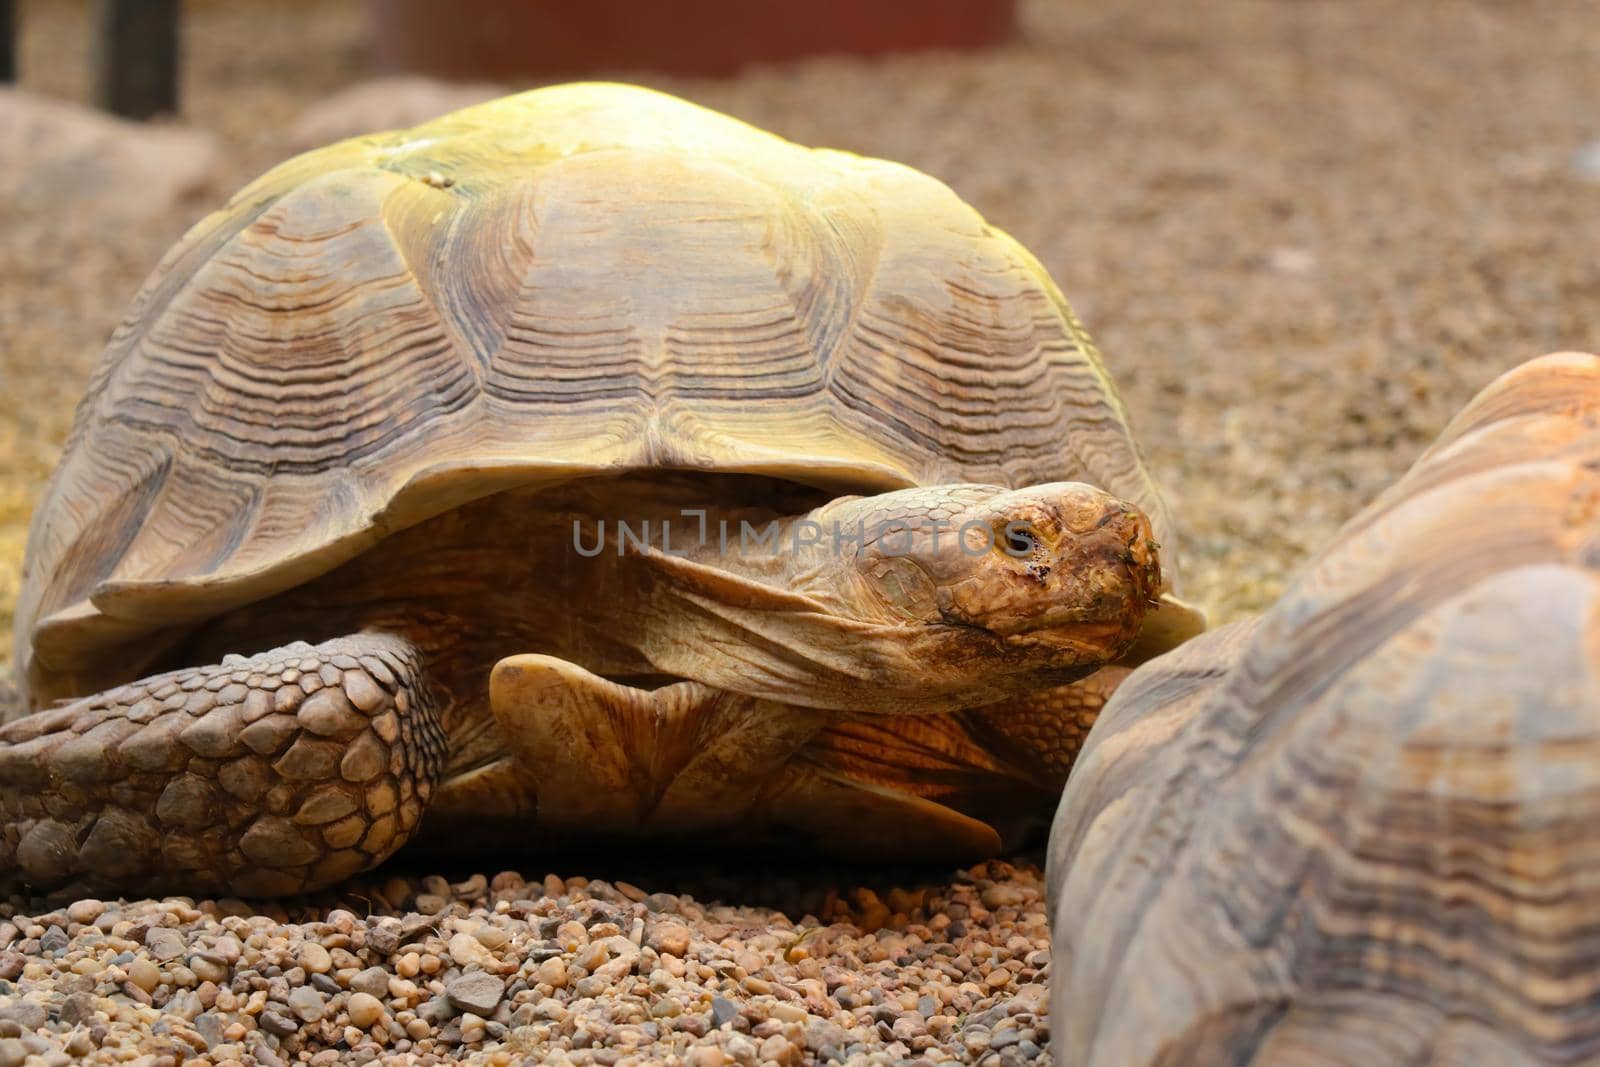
(1357, 830)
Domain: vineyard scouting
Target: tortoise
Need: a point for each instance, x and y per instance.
(1356, 829)
(574, 465)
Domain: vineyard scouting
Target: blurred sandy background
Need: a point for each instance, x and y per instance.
(1303, 232)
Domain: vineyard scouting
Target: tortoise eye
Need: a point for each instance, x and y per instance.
(1020, 540)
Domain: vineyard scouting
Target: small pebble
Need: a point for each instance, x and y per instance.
(144, 974)
(553, 972)
(670, 937)
(307, 1003)
(314, 958)
(85, 911)
(208, 968)
(476, 991)
(723, 1011)
(373, 982)
(467, 950)
(164, 944)
(364, 1010)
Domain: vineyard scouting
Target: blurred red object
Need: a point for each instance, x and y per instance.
(505, 38)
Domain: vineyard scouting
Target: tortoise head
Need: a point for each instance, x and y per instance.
(1050, 576)
(1061, 566)
(924, 599)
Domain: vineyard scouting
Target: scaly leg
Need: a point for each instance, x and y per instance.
(1040, 733)
(1001, 766)
(260, 776)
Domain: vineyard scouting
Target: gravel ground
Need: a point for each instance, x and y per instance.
(1304, 233)
(559, 971)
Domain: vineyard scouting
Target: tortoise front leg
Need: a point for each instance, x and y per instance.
(688, 759)
(259, 776)
(610, 757)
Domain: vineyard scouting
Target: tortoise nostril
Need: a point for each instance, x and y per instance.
(1021, 541)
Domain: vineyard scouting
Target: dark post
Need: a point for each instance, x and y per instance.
(136, 57)
(8, 41)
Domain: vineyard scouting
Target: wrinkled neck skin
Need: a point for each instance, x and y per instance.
(861, 605)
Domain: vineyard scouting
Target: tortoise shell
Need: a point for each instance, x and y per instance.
(579, 279)
(1356, 830)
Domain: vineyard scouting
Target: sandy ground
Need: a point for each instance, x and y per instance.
(1304, 232)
